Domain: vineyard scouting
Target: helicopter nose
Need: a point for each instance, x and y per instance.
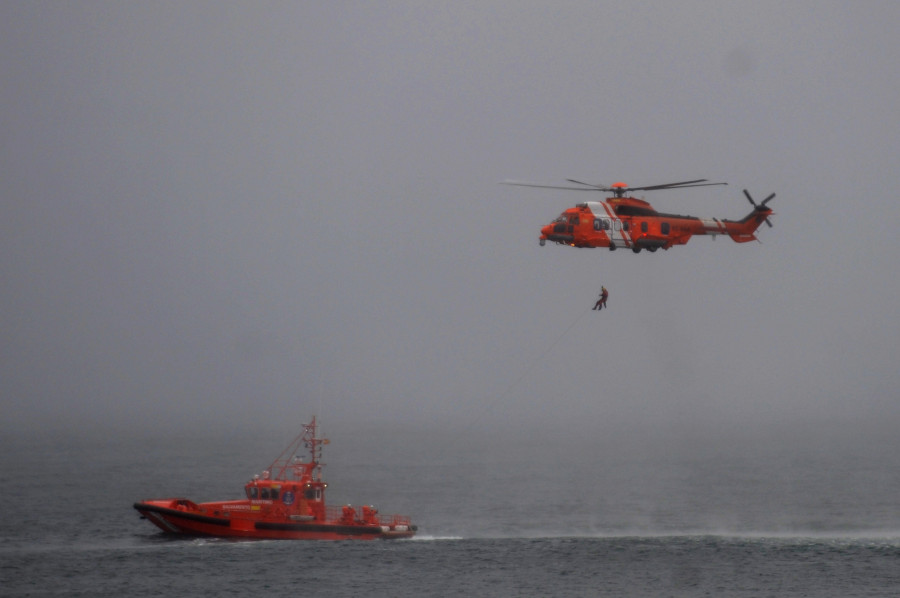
(545, 233)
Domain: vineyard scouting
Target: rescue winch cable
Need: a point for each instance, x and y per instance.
(489, 406)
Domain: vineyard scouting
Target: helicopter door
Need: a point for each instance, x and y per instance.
(618, 234)
(613, 229)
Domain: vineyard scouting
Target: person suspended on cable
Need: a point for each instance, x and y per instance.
(601, 302)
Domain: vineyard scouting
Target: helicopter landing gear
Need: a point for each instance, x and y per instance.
(543, 242)
(636, 249)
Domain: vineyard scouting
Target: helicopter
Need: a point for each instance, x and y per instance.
(626, 221)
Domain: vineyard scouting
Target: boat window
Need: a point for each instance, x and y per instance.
(274, 494)
(264, 494)
(252, 492)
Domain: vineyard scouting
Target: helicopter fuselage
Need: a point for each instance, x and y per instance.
(633, 223)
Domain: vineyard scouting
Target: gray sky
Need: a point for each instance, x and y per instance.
(216, 213)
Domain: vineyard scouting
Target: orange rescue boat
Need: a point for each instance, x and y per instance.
(286, 503)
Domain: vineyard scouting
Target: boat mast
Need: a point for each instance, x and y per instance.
(287, 460)
(314, 443)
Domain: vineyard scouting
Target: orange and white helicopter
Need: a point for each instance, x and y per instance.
(625, 221)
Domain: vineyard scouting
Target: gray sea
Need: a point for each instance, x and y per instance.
(779, 510)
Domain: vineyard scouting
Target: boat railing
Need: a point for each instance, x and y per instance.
(337, 513)
(394, 520)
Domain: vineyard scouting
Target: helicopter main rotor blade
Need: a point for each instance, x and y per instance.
(597, 187)
(524, 184)
(617, 190)
(682, 185)
(664, 185)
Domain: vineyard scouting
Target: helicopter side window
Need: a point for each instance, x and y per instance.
(601, 224)
(644, 227)
(625, 226)
(664, 227)
(617, 224)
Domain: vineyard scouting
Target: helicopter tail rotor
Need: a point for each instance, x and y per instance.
(761, 206)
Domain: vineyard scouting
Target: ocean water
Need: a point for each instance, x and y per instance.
(527, 512)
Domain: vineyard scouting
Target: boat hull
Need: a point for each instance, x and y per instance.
(181, 517)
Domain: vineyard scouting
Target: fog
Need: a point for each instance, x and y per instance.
(223, 214)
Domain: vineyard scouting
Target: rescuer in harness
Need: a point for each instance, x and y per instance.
(601, 302)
